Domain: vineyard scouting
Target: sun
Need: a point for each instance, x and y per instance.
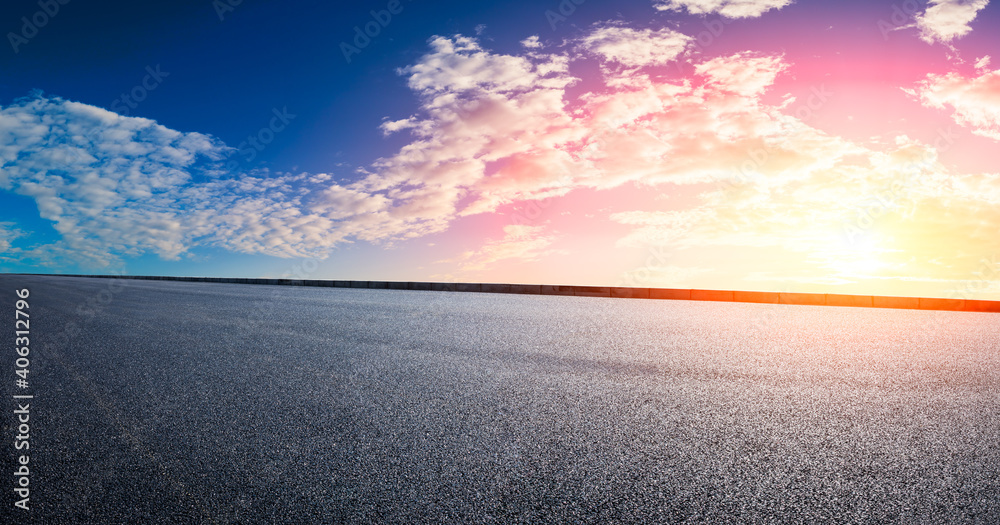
(861, 265)
(864, 256)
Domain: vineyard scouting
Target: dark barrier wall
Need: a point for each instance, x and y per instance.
(871, 301)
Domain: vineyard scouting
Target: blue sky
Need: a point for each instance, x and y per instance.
(487, 141)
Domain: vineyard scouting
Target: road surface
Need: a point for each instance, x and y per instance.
(172, 402)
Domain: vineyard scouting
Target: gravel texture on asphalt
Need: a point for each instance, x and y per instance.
(218, 403)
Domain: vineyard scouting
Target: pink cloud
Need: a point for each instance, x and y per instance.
(742, 73)
(974, 101)
(636, 47)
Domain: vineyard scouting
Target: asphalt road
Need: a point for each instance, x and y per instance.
(215, 403)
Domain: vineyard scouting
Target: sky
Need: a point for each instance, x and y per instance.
(774, 145)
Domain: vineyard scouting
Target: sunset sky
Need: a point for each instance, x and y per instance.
(779, 145)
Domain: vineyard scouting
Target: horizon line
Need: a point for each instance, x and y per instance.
(617, 292)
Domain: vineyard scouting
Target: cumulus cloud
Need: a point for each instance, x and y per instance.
(946, 20)
(742, 73)
(480, 144)
(123, 186)
(726, 8)
(459, 65)
(491, 129)
(532, 42)
(974, 101)
(636, 47)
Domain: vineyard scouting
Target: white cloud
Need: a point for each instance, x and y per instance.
(632, 47)
(8, 232)
(742, 73)
(459, 65)
(118, 186)
(946, 20)
(532, 42)
(726, 8)
(975, 101)
(496, 146)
